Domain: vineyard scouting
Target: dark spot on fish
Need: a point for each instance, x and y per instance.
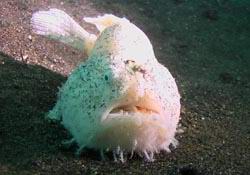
(106, 77)
(83, 66)
(102, 105)
(96, 85)
(89, 114)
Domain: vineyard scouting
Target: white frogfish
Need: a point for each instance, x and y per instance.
(121, 98)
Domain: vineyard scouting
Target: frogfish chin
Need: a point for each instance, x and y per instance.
(121, 98)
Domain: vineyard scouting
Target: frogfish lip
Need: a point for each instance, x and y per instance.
(133, 104)
(132, 127)
(131, 110)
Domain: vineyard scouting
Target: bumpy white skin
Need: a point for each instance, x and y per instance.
(121, 73)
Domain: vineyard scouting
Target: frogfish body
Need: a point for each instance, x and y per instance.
(121, 98)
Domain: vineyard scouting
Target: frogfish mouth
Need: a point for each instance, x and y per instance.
(121, 98)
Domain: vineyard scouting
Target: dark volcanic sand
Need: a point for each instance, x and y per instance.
(205, 45)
